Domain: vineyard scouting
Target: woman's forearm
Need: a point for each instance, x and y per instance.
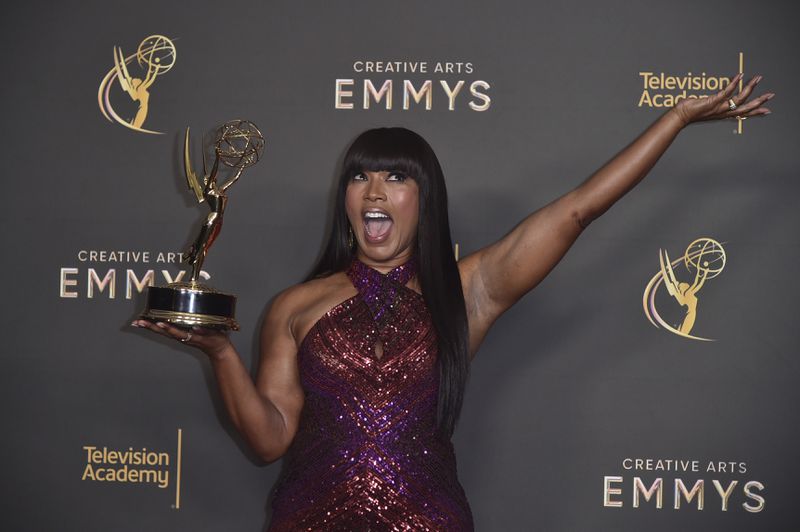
(598, 193)
(254, 415)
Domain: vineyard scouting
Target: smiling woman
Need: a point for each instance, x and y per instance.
(364, 365)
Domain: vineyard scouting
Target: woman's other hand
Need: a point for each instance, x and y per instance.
(719, 106)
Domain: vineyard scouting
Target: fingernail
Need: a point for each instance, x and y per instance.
(758, 79)
(161, 324)
(767, 112)
(770, 96)
(135, 324)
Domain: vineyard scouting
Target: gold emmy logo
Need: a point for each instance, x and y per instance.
(704, 259)
(155, 56)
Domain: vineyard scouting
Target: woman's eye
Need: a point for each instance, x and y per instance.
(358, 177)
(396, 176)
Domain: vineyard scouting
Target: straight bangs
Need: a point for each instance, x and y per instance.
(385, 149)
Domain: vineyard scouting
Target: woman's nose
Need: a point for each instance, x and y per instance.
(375, 189)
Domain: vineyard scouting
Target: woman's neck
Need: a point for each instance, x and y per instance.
(385, 266)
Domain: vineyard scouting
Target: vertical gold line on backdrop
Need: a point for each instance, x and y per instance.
(178, 473)
(741, 81)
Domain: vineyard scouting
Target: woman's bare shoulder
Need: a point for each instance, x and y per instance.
(303, 304)
(299, 296)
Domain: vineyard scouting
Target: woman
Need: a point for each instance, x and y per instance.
(363, 366)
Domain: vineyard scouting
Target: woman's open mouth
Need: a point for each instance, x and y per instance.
(377, 225)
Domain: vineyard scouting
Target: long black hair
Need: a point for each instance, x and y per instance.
(399, 149)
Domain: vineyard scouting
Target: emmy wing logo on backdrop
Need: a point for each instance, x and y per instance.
(704, 259)
(666, 89)
(155, 56)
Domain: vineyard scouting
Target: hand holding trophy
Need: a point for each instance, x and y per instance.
(239, 144)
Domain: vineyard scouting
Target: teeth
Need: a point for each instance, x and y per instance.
(375, 215)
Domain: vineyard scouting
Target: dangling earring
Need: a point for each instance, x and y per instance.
(350, 237)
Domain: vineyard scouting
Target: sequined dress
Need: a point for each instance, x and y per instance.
(366, 455)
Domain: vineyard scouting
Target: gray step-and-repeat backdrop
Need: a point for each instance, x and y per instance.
(599, 402)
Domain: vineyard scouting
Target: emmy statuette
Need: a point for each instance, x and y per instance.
(239, 144)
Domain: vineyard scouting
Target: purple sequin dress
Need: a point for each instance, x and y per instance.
(366, 455)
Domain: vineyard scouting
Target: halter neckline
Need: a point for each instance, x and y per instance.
(379, 290)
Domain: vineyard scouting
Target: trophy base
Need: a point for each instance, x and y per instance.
(190, 304)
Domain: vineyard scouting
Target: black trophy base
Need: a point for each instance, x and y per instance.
(191, 304)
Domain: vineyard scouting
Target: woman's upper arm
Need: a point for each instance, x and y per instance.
(479, 317)
(497, 276)
(278, 379)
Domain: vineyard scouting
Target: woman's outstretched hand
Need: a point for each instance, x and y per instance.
(212, 342)
(718, 106)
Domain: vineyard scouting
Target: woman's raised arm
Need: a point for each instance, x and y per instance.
(495, 277)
